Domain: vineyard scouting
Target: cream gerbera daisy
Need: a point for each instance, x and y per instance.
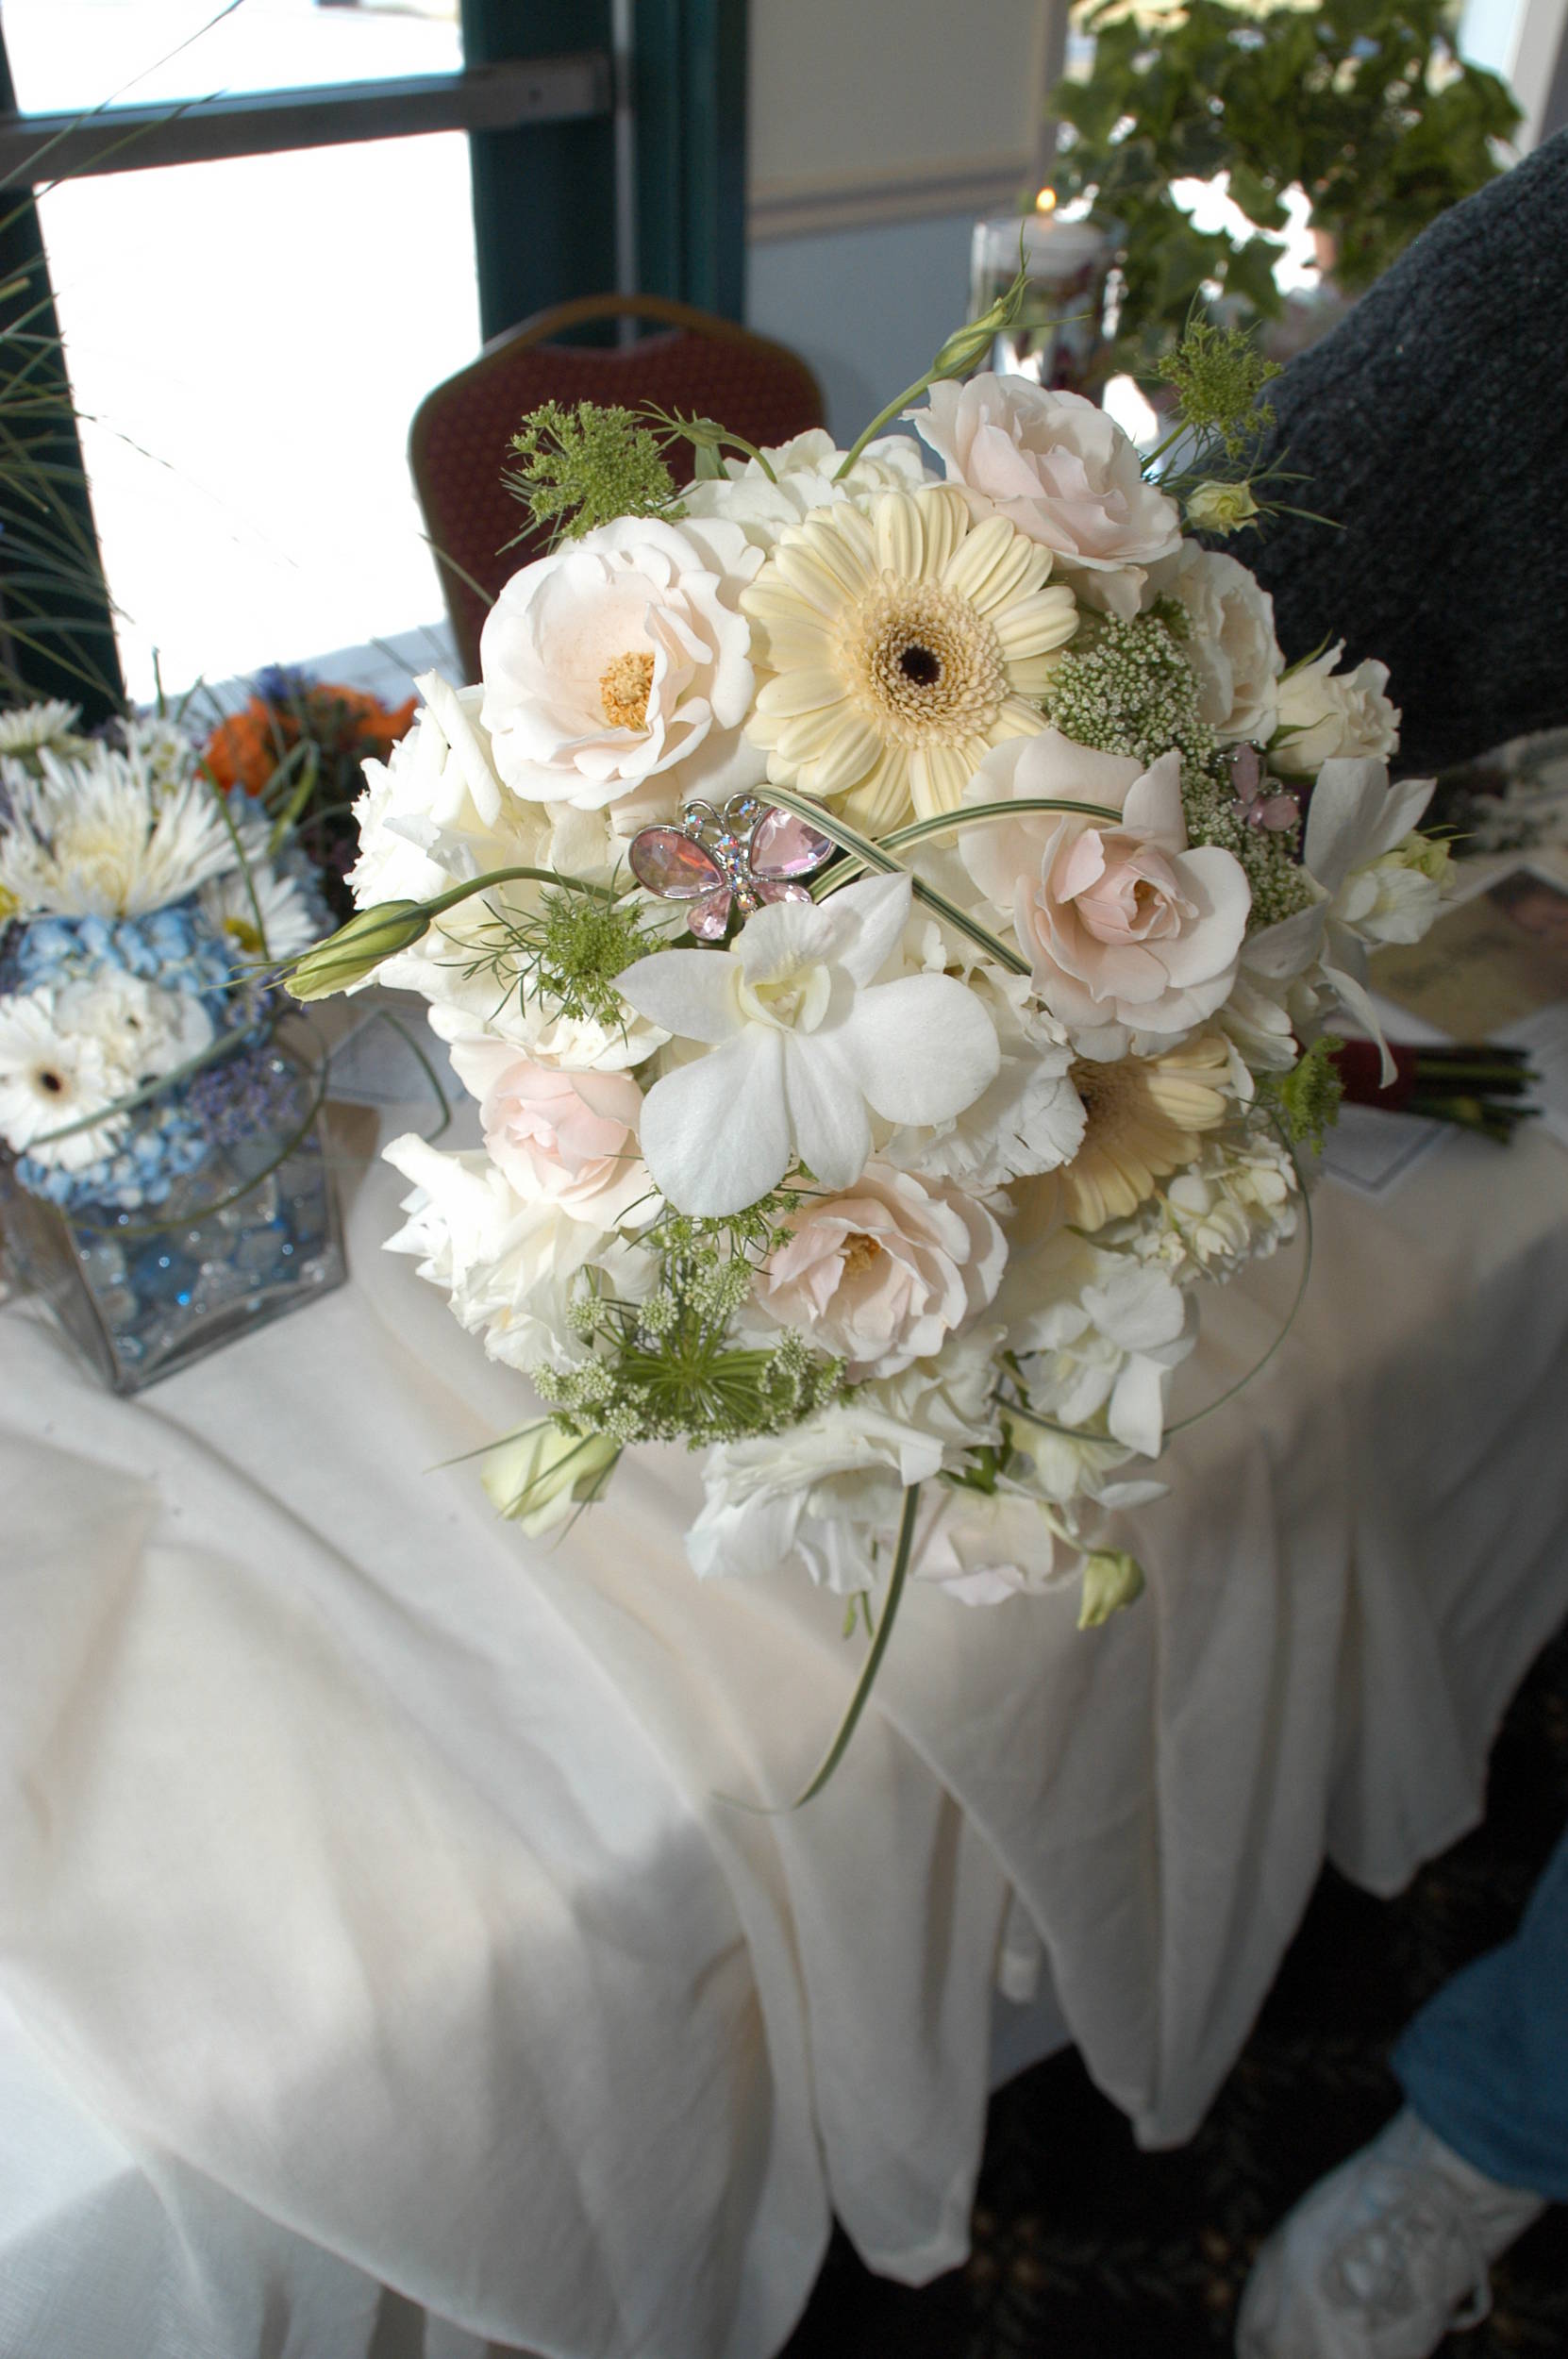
(1146, 1115)
(896, 638)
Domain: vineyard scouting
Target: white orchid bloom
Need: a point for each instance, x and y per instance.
(1355, 819)
(804, 1046)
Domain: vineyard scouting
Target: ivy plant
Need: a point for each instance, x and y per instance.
(1365, 105)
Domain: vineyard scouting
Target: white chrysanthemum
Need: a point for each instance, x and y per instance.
(894, 646)
(51, 1076)
(805, 476)
(34, 726)
(94, 836)
(262, 914)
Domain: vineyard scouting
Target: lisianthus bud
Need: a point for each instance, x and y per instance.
(971, 344)
(1221, 507)
(1112, 1579)
(537, 1480)
(356, 950)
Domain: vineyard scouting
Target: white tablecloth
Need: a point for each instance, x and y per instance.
(366, 1890)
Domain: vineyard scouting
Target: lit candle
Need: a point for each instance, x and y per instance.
(1064, 335)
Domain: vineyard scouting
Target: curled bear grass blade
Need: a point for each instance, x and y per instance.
(869, 1670)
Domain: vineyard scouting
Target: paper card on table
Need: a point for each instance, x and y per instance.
(1490, 962)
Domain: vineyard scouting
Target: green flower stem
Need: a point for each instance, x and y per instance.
(867, 1679)
(886, 417)
(871, 855)
(920, 829)
(444, 901)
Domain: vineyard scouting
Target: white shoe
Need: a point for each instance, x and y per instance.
(1384, 2257)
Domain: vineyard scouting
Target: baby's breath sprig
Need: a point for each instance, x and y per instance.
(586, 466)
(1127, 687)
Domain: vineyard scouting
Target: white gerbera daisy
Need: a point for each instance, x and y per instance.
(97, 835)
(897, 639)
(263, 915)
(51, 1076)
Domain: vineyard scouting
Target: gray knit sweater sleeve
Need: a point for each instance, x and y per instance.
(1432, 424)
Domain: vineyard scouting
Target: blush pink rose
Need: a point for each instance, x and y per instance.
(882, 1275)
(1064, 473)
(1130, 931)
(571, 1137)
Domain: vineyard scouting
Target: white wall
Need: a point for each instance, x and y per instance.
(880, 129)
(867, 307)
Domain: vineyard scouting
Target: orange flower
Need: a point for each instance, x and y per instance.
(245, 750)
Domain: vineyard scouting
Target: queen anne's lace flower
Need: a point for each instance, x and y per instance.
(894, 646)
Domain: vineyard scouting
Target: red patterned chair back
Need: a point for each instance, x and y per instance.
(458, 445)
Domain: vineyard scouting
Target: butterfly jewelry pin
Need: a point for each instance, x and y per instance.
(1249, 779)
(749, 853)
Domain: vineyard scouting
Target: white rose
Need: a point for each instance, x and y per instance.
(804, 475)
(568, 1137)
(1132, 931)
(984, 1547)
(623, 657)
(1231, 644)
(1325, 717)
(830, 1490)
(881, 1275)
(508, 1267)
(1064, 473)
(435, 809)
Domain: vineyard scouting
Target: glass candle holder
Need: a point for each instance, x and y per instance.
(250, 1234)
(1064, 336)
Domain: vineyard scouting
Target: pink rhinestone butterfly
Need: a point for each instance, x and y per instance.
(1248, 778)
(748, 853)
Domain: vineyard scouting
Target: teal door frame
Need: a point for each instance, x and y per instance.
(544, 198)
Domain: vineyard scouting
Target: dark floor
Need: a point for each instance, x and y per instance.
(1086, 2249)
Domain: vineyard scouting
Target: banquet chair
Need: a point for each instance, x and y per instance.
(459, 443)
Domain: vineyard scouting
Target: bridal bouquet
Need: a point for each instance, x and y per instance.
(886, 920)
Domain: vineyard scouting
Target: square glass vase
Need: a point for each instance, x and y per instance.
(253, 1233)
